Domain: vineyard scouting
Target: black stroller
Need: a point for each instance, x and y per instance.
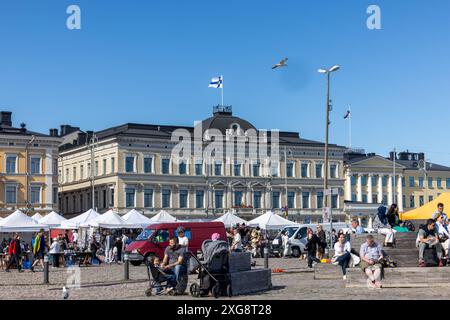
(213, 272)
(157, 279)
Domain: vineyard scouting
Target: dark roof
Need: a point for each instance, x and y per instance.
(220, 120)
(414, 165)
(5, 129)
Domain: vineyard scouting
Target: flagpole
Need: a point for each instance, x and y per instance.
(350, 127)
(221, 76)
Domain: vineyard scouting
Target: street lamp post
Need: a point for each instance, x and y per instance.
(27, 174)
(93, 141)
(327, 124)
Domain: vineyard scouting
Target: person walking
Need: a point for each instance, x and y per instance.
(54, 251)
(39, 247)
(118, 245)
(323, 242)
(15, 252)
(311, 247)
(285, 243)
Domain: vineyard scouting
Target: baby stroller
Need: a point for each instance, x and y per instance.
(213, 272)
(157, 279)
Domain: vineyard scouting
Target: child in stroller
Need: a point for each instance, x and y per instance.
(163, 283)
(214, 271)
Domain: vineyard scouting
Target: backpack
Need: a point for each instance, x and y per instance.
(409, 225)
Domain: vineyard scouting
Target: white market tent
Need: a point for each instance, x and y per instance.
(20, 222)
(163, 216)
(271, 221)
(53, 220)
(229, 219)
(36, 217)
(75, 223)
(109, 220)
(135, 217)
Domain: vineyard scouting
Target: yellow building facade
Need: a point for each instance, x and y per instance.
(28, 169)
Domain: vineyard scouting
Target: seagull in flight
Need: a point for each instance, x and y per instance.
(281, 64)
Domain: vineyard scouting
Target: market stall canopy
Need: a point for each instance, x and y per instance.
(271, 221)
(75, 223)
(163, 216)
(20, 222)
(138, 218)
(109, 220)
(229, 219)
(36, 217)
(426, 211)
(53, 220)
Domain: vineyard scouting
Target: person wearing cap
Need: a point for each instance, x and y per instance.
(54, 251)
(182, 239)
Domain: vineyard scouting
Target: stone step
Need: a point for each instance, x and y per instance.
(403, 276)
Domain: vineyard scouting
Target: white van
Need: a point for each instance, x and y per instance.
(297, 236)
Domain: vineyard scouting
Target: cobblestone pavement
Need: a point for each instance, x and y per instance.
(106, 282)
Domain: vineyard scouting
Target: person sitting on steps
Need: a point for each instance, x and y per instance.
(428, 239)
(444, 236)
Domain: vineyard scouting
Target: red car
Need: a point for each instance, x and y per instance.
(155, 238)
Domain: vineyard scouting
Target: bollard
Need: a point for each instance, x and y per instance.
(266, 257)
(46, 280)
(126, 267)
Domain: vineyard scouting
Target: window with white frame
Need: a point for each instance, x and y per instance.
(183, 199)
(35, 194)
(35, 165)
(148, 198)
(305, 170)
(166, 198)
(129, 164)
(290, 169)
(113, 165)
(11, 164)
(333, 171)
(130, 196)
(11, 193)
(165, 166)
(104, 167)
(148, 165)
(319, 167)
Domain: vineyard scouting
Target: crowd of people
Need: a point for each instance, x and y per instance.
(65, 249)
(242, 238)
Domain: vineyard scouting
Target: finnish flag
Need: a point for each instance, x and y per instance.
(216, 82)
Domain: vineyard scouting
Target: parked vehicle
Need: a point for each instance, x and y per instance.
(297, 237)
(155, 238)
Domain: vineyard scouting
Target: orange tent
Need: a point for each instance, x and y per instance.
(426, 211)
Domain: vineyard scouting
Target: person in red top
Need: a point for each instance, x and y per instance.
(15, 252)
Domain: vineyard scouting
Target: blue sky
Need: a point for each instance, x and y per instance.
(151, 61)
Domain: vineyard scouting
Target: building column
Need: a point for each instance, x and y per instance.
(359, 188)
(369, 189)
(400, 193)
(380, 188)
(390, 190)
(348, 185)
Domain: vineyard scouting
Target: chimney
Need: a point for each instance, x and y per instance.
(53, 132)
(392, 155)
(5, 118)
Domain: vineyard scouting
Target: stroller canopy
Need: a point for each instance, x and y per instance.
(212, 248)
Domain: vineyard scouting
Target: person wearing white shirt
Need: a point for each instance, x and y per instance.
(444, 236)
(54, 251)
(182, 239)
(285, 243)
(236, 246)
(75, 237)
(342, 254)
